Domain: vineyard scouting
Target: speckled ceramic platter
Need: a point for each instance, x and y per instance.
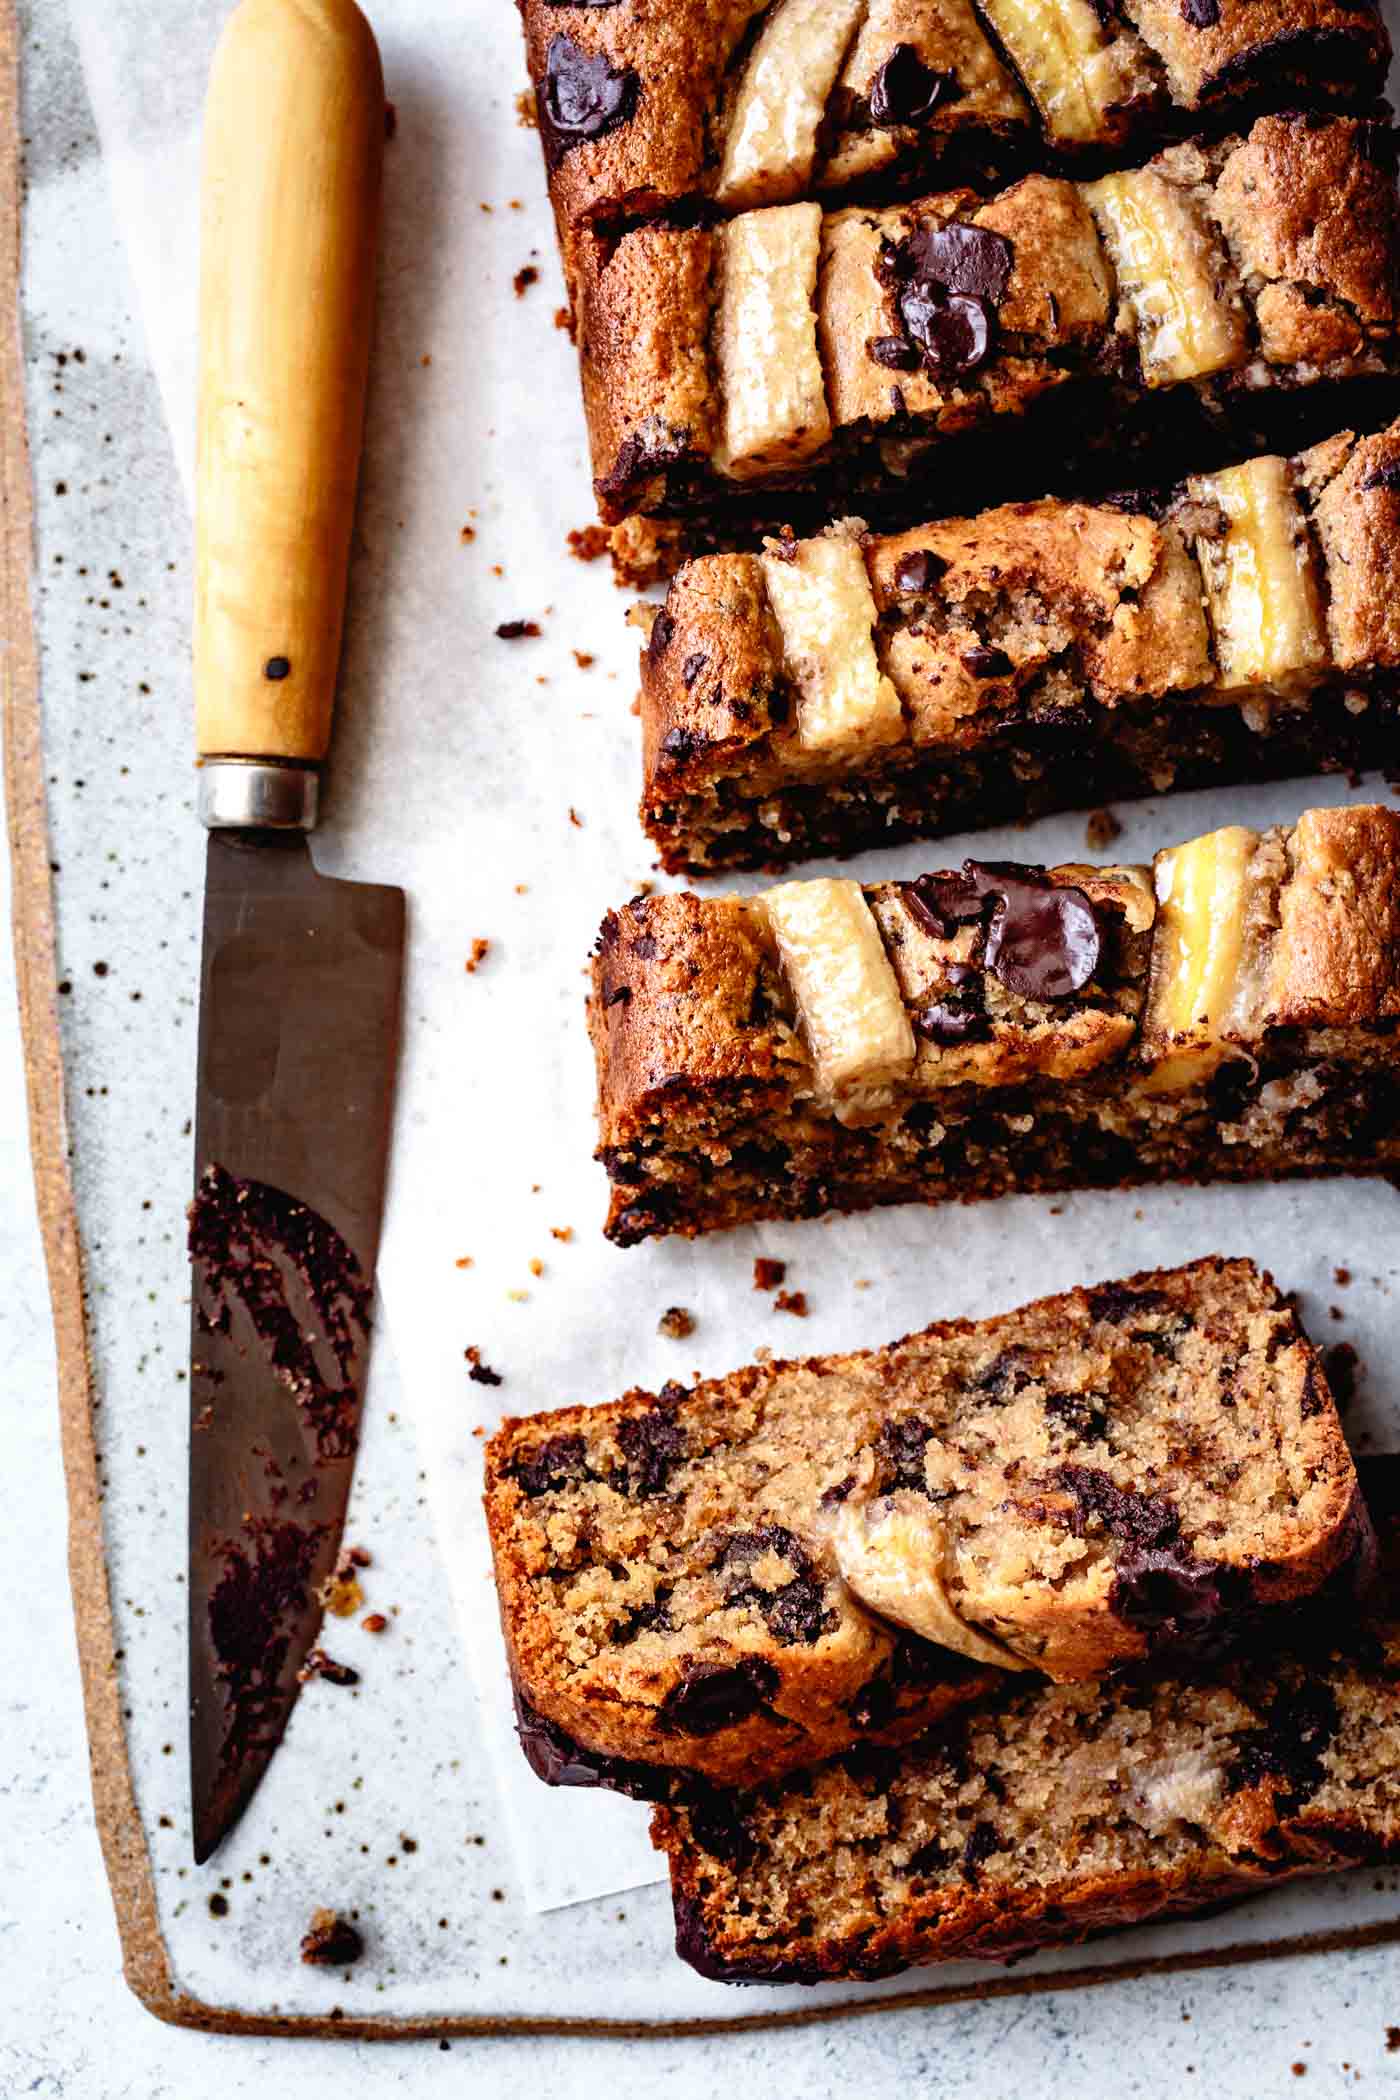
(383, 1801)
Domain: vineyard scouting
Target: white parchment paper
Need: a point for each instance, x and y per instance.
(497, 782)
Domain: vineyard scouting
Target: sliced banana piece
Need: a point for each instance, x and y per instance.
(770, 147)
(847, 999)
(1059, 49)
(1198, 952)
(1261, 582)
(820, 594)
(768, 368)
(1173, 276)
(892, 1553)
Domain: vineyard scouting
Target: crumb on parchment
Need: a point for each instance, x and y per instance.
(480, 950)
(767, 1275)
(677, 1322)
(794, 1302)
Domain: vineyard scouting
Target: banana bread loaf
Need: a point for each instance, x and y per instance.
(849, 691)
(1058, 1810)
(717, 1580)
(644, 111)
(1230, 1014)
(790, 363)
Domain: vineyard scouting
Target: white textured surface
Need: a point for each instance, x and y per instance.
(65, 2026)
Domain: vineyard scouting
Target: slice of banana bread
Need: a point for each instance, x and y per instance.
(850, 691)
(790, 363)
(1058, 1810)
(717, 1580)
(730, 103)
(1229, 1015)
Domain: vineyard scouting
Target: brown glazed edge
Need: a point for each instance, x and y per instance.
(145, 1958)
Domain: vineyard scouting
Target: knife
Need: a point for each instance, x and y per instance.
(300, 977)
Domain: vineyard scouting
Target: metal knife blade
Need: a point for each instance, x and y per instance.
(298, 1038)
(300, 980)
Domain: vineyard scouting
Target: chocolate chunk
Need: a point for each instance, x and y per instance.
(1159, 1585)
(711, 1696)
(643, 1618)
(1383, 477)
(906, 91)
(636, 462)
(893, 352)
(692, 667)
(944, 902)
(277, 668)
(981, 1843)
(965, 259)
(797, 1611)
(678, 745)
(1299, 1724)
(582, 97)
(1044, 941)
(1201, 14)
(1131, 1518)
(558, 1461)
(554, 1756)
(718, 1827)
(987, 663)
(1009, 1373)
(1081, 1414)
(952, 331)
(659, 640)
(919, 570)
(1115, 1302)
(952, 1021)
(899, 1449)
(651, 1444)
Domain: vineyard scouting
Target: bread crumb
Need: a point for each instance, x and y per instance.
(518, 1297)
(331, 1942)
(1101, 829)
(375, 1622)
(1341, 1277)
(467, 533)
(465, 1261)
(536, 1265)
(676, 1322)
(767, 1275)
(480, 950)
(517, 630)
(561, 1232)
(794, 1302)
(583, 658)
(526, 114)
(340, 1593)
(575, 819)
(588, 541)
(524, 277)
(480, 1373)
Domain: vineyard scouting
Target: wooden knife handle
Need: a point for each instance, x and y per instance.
(293, 151)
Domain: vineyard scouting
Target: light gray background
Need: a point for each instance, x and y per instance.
(67, 2025)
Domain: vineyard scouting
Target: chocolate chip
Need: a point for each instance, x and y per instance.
(952, 331)
(981, 1843)
(692, 667)
(906, 91)
(835, 1495)
(1383, 477)
(987, 663)
(1201, 14)
(1299, 1724)
(643, 1618)
(893, 352)
(276, 668)
(678, 745)
(944, 902)
(952, 1020)
(559, 1461)
(659, 641)
(1043, 941)
(1116, 1302)
(719, 1829)
(711, 1696)
(919, 570)
(899, 1450)
(582, 97)
(651, 1444)
(797, 1611)
(966, 259)
(1079, 1413)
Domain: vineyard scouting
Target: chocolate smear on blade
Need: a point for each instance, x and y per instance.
(254, 1608)
(288, 1272)
(1042, 938)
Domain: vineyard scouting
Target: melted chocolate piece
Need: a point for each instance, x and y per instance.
(952, 1021)
(893, 352)
(1200, 14)
(692, 668)
(899, 1449)
(711, 1696)
(1114, 1301)
(250, 1245)
(554, 1756)
(1043, 940)
(718, 1827)
(987, 663)
(1159, 1586)
(581, 97)
(981, 1843)
(952, 332)
(659, 640)
(906, 91)
(1299, 1724)
(919, 570)
(1384, 477)
(966, 259)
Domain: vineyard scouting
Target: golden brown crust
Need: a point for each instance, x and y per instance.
(642, 309)
(1337, 958)
(712, 671)
(1357, 519)
(1309, 210)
